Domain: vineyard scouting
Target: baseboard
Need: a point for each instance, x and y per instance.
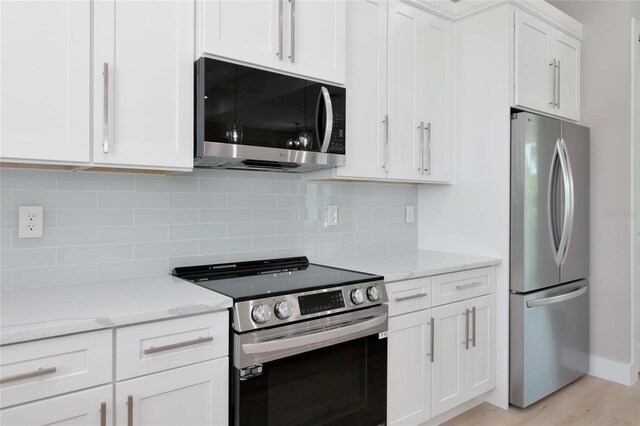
(613, 371)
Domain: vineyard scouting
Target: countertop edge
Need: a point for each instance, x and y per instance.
(389, 278)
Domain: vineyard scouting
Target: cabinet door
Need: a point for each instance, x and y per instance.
(405, 73)
(75, 409)
(534, 71)
(45, 80)
(437, 96)
(367, 90)
(248, 31)
(566, 50)
(480, 371)
(193, 395)
(148, 49)
(448, 386)
(314, 39)
(409, 369)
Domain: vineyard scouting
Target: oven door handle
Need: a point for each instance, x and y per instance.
(309, 339)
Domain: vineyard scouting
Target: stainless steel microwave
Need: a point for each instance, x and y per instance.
(249, 118)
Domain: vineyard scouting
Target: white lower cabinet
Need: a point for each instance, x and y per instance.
(192, 395)
(89, 407)
(409, 373)
(464, 349)
(439, 357)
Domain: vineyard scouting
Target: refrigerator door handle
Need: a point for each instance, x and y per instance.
(569, 201)
(551, 202)
(557, 299)
(568, 204)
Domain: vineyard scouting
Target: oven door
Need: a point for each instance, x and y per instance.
(330, 371)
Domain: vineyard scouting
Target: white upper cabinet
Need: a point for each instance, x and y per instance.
(437, 96)
(547, 68)
(303, 37)
(367, 124)
(315, 31)
(405, 113)
(143, 104)
(420, 95)
(45, 63)
(248, 31)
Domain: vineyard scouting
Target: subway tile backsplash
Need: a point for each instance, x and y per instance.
(101, 226)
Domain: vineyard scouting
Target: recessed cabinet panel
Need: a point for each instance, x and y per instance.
(480, 372)
(247, 31)
(533, 73)
(449, 366)
(405, 112)
(367, 124)
(409, 374)
(568, 56)
(143, 105)
(314, 38)
(45, 72)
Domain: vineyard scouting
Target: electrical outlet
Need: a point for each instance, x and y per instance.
(332, 215)
(409, 214)
(30, 221)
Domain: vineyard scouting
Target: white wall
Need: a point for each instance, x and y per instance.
(472, 215)
(606, 102)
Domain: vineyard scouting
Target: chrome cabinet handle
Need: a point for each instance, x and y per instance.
(466, 329)
(414, 296)
(103, 414)
(29, 375)
(292, 56)
(473, 331)
(557, 299)
(154, 349)
(421, 128)
(130, 410)
(470, 285)
(557, 78)
(428, 130)
(280, 29)
(553, 100)
(432, 323)
(385, 165)
(105, 106)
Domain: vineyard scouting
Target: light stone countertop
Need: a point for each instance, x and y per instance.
(412, 264)
(58, 310)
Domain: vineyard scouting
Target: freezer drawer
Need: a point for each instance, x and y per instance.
(549, 341)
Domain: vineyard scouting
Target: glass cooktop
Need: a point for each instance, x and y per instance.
(256, 279)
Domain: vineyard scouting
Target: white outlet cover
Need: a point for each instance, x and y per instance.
(409, 214)
(30, 221)
(332, 215)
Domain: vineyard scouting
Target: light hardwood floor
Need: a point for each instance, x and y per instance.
(588, 401)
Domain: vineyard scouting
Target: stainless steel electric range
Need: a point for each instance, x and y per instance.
(308, 342)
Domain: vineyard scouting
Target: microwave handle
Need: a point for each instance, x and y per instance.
(328, 128)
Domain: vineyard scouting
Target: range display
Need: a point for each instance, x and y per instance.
(319, 302)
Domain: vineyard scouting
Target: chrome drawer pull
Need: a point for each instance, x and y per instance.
(470, 285)
(37, 373)
(415, 296)
(154, 349)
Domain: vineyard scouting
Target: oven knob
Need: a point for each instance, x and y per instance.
(373, 293)
(261, 313)
(357, 296)
(284, 309)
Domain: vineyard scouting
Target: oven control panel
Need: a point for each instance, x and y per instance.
(279, 310)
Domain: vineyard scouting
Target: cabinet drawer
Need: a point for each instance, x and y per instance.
(44, 368)
(409, 296)
(457, 286)
(158, 346)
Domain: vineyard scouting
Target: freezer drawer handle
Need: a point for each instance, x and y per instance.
(557, 299)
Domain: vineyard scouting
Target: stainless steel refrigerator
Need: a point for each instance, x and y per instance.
(549, 270)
